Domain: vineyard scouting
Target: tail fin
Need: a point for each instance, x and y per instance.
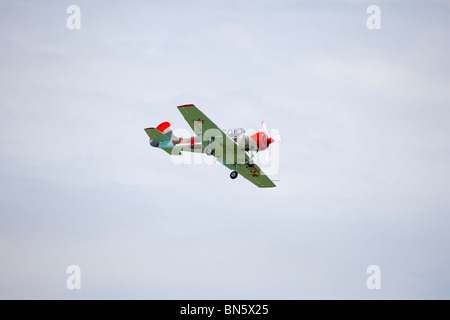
(166, 129)
(163, 132)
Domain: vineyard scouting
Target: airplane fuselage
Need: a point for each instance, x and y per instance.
(246, 141)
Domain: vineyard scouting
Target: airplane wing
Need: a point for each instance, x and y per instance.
(203, 126)
(253, 174)
(196, 119)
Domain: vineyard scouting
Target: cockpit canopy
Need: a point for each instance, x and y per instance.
(234, 132)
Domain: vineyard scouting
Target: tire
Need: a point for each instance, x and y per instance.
(209, 151)
(233, 174)
(251, 165)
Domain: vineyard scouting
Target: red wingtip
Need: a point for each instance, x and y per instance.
(149, 128)
(186, 105)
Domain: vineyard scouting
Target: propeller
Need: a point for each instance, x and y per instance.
(262, 138)
(266, 133)
(264, 127)
(268, 139)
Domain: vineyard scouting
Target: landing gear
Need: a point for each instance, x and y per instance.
(250, 161)
(209, 151)
(233, 174)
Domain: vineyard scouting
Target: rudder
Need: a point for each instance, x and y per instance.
(166, 129)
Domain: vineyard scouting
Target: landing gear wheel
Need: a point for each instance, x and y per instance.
(250, 161)
(233, 174)
(209, 151)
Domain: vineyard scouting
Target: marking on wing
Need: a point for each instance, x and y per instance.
(252, 179)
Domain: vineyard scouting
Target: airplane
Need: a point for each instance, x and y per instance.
(234, 148)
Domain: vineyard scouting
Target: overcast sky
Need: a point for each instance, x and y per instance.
(363, 164)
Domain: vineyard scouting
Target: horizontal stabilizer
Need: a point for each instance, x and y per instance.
(156, 135)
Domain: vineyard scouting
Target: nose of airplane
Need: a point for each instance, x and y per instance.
(261, 140)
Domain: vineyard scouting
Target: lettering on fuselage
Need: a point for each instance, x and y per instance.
(182, 140)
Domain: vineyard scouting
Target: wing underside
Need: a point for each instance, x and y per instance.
(253, 174)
